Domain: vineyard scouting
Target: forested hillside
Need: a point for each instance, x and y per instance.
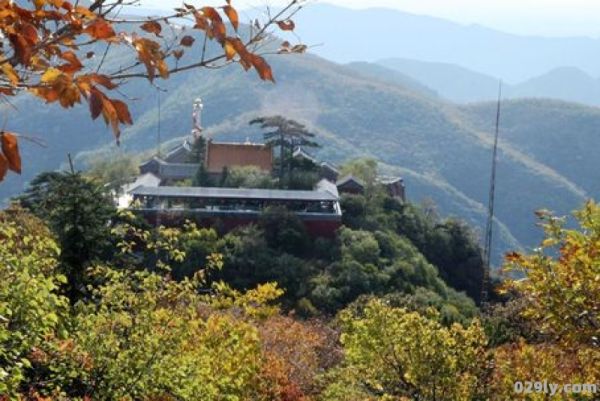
(443, 151)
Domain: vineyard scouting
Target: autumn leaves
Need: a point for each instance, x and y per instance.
(48, 50)
(9, 157)
(209, 20)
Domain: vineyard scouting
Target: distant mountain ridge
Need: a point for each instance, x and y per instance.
(462, 63)
(397, 34)
(462, 85)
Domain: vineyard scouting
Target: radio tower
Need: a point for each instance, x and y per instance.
(489, 231)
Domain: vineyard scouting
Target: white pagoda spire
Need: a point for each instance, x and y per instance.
(197, 118)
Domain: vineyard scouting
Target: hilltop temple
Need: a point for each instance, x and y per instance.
(156, 196)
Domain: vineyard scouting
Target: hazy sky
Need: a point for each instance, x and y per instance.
(545, 17)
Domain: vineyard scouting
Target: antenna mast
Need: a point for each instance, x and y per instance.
(158, 128)
(487, 255)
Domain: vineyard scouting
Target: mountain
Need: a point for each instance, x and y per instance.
(566, 83)
(450, 81)
(381, 73)
(442, 150)
(462, 85)
(377, 33)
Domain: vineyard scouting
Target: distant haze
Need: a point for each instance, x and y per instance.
(539, 17)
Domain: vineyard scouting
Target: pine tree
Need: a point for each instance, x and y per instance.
(287, 135)
(78, 210)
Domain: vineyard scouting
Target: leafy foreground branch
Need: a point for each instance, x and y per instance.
(56, 50)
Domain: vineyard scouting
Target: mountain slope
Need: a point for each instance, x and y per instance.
(450, 81)
(444, 151)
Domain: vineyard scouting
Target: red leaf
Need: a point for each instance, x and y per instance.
(287, 25)
(23, 50)
(152, 27)
(29, 32)
(95, 102)
(187, 41)
(3, 166)
(10, 148)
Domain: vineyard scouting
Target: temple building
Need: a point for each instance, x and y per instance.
(158, 195)
(181, 163)
(228, 208)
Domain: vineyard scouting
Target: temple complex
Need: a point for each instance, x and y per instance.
(160, 196)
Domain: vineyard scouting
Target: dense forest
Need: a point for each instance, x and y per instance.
(388, 310)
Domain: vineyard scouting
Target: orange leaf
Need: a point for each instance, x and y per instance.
(3, 166)
(229, 49)
(245, 55)
(212, 14)
(69, 95)
(152, 27)
(73, 64)
(10, 148)
(163, 69)
(287, 25)
(122, 112)
(100, 29)
(150, 54)
(218, 27)
(264, 69)
(95, 101)
(201, 21)
(187, 41)
(84, 12)
(103, 80)
(233, 16)
(109, 112)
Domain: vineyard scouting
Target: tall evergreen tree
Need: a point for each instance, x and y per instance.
(287, 135)
(79, 211)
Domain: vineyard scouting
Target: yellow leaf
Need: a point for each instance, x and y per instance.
(10, 73)
(51, 75)
(229, 50)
